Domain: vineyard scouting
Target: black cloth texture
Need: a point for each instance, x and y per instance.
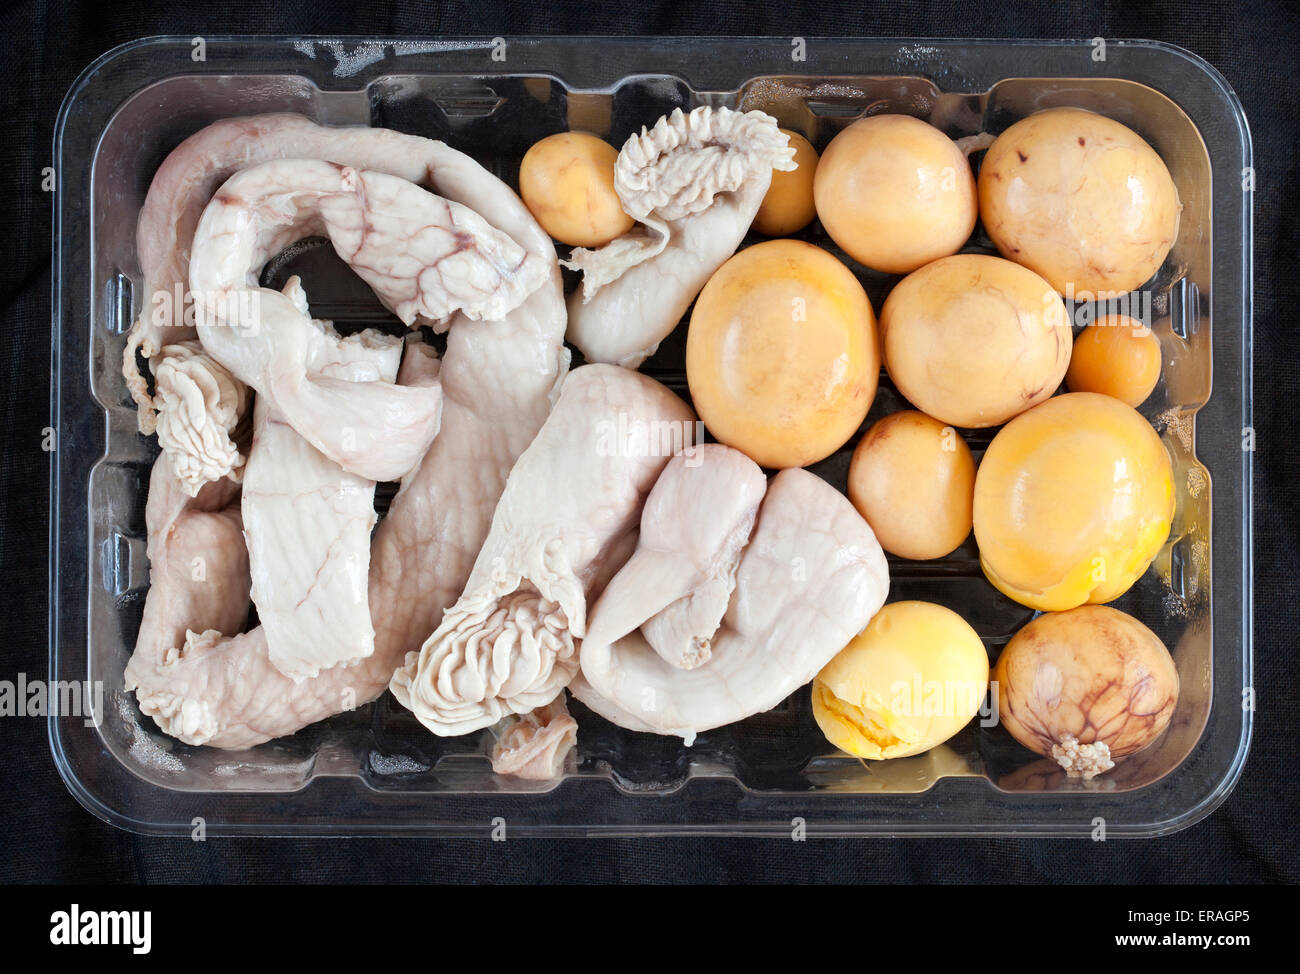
(45, 836)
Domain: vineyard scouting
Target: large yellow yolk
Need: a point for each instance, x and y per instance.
(1080, 199)
(1073, 500)
(914, 677)
(973, 340)
(781, 355)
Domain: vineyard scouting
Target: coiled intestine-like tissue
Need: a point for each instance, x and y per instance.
(810, 577)
(425, 257)
(509, 644)
(694, 182)
(194, 672)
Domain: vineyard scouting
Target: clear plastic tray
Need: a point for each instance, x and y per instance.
(375, 770)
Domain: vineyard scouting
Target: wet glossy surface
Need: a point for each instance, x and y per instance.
(376, 770)
(914, 677)
(1116, 356)
(913, 479)
(781, 353)
(567, 183)
(895, 193)
(1081, 199)
(1073, 500)
(788, 206)
(972, 340)
(1093, 673)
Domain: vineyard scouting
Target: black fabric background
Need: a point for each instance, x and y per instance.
(46, 836)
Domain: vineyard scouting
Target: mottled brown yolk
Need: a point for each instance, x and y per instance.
(1091, 675)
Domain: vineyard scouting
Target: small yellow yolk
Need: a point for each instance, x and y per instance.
(1117, 356)
(913, 478)
(567, 182)
(788, 206)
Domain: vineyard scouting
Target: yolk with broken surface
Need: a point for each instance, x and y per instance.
(781, 355)
(914, 677)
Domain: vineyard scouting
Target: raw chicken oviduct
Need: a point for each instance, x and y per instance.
(551, 530)
(509, 644)
(810, 578)
(695, 182)
(193, 671)
(199, 406)
(308, 524)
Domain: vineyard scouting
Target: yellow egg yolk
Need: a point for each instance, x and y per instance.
(567, 182)
(914, 677)
(781, 355)
(788, 206)
(1117, 356)
(1073, 500)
